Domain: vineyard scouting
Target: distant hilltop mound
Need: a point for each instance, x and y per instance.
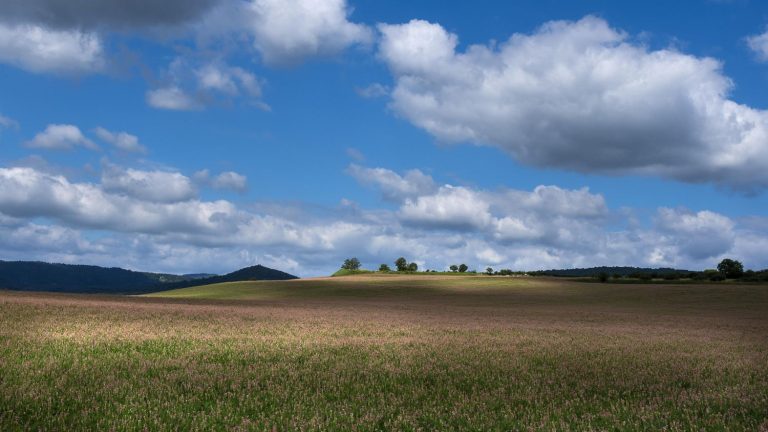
(41, 276)
(257, 272)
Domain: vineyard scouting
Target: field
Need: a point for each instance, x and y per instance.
(389, 353)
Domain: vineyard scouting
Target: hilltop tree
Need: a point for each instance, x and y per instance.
(401, 264)
(384, 268)
(731, 269)
(454, 268)
(351, 264)
(412, 267)
(463, 268)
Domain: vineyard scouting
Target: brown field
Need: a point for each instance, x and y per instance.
(389, 352)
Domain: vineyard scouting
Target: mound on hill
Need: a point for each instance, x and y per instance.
(253, 273)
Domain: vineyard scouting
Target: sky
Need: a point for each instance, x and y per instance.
(209, 135)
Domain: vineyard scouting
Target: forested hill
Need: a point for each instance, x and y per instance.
(40, 276)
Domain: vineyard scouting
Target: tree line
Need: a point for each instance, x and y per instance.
(728, 268)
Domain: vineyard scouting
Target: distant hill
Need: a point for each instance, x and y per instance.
(622, 271)
(257, 272)
(40, 276)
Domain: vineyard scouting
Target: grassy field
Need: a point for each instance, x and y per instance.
(379, 352)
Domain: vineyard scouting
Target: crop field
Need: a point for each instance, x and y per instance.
(389, 353)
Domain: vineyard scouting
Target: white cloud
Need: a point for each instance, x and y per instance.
(540, 228)
(8, 122)
(579, 96)
(393, 186)
(153, 186)
(171, 98)
(121, 140)
(225, 180)
(191, 86)
(700, 235)
(286, 32)
(759, 45)
(39, 49)
(373, 91)
(61, 137)
(230, 180)
(449, 208)
(228, 80)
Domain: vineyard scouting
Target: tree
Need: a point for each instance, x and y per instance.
(489, 271)
(454, 268)
(731, 269)
(401, 264)
(463, 268)
(602, 277)
(384, 268)
(351, 264)
(412, 267)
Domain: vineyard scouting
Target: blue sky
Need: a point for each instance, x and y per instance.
(209, 135)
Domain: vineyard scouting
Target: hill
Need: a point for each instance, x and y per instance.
(41, 276)
(253, 273)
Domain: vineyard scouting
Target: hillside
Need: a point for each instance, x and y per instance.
(41, 276)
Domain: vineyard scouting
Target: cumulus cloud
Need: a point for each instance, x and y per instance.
(39, 49)
(121, 140)
(579, 96)
(230, 180)
(373, 91)
(286, 32)
(153, 186)
(704, 234)
(61, 137)
(449, 208)
(7, 122)
(547, 227)
(227, 180)
(393, 186)
(171, 98)
(192, 86)
(759, 45)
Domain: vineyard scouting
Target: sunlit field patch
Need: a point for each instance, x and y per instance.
(396, 353)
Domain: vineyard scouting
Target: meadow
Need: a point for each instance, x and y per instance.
(381, 352)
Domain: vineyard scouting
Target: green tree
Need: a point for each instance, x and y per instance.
(731, 269)
(412, 267)
(351, 264)
(463, 268)
(489, 271)
(454, 268)
(384, 268)
(401, 264)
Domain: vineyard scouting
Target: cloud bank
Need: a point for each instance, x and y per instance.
(156, 220)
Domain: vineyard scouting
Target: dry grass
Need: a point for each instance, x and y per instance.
(389, 353)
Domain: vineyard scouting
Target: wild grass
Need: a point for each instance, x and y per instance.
(389, 353)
